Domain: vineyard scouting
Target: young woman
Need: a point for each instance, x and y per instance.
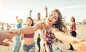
(72, 30)
(29, 44)
(52, 28)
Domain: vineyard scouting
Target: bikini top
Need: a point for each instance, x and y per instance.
(29, 35)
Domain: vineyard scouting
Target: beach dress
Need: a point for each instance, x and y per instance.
(48, 43)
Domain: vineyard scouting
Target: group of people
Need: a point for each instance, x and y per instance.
(8, 27)
(29, 43)
(51, 30)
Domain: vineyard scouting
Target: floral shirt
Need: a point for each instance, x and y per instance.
(47, 40)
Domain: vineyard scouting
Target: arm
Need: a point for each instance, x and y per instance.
(46, 11)
(74, 26)
(3, 35)
(22, 36)
(64, 37)
(27, 30)
(17, 19)
(30, 12)
(30, 30)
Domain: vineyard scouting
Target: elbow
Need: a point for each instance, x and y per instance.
(21, 38)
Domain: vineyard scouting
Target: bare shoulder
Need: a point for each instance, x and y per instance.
(54, 30)
(38, 25)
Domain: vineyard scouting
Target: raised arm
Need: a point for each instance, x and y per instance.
(46, 11)
(30, 13)
(17, 19)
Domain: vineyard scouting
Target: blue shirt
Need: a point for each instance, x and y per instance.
(19, 26)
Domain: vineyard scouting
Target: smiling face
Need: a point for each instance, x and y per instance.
(29, 21)
(53, 17)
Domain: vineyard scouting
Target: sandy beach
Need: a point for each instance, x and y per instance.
(65, 46)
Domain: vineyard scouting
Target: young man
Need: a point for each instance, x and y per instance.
(17, 38)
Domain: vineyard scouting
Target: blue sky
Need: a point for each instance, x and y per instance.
(10, 8)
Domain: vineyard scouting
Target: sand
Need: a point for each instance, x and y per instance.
(81, 33)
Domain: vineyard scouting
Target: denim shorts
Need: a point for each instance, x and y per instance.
(29, 47)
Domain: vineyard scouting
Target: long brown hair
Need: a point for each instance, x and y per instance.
(60, 23)
(73, 19)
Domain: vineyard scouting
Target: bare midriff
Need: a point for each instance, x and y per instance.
(28, 41)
